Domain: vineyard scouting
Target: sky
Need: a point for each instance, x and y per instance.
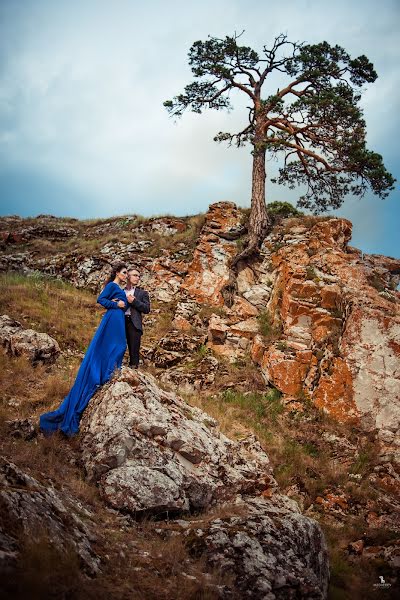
(83, 130)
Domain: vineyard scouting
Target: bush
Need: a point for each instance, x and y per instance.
(283, 209)
(268, 330)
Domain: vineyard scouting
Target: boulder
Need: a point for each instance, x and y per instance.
(134, 431)
(272, 550)
(37, 347)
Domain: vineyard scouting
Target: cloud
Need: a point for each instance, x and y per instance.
(82, 86)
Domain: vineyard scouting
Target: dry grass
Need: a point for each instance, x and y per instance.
(43, 571)
(356, 578)
(136, 562)
(67, 314)
(143, 565)
(299, 456)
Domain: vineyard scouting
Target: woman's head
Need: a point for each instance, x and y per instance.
(119, 270)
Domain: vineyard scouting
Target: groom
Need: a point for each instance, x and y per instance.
(138, 303)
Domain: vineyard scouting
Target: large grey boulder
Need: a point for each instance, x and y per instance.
(273, 551)
(37, 347)
(150, 451)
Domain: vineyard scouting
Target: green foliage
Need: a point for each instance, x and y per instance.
(203, 351)
(362, 464)
(282, 346)
(311, 274)
(260, 405)
(268, 329)
(283, 209)
(314, 120)
(310, 449)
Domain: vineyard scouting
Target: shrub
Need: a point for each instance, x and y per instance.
(283, 209)
(268, 329)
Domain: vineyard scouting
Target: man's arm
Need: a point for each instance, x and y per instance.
(142, 305)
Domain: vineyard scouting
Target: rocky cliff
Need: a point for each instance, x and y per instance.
(311, 320)
(319, 317)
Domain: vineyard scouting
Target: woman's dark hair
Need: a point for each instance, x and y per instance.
(116, 268)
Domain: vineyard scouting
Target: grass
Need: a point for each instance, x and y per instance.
(92, 235)
(51, 306)
(300, 457)
(42, 569)
(357, 578)
(366, 459)
(261, 405)
(268, 329)
(311, 274)
(185, 240)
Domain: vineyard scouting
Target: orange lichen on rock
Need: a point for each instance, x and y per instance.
(334, 393)
(286, 373)
(209, 271)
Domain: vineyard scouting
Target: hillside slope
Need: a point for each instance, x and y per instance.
(300, 347)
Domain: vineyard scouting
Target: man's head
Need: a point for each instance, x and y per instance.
(133, 276)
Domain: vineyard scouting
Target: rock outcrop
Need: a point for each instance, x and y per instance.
(37, 347)
(150, 452)
(209, 271)
(320, 319)
(30, 509)
(339, 335)
(272, 549)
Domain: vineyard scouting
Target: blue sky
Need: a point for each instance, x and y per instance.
(83, 131)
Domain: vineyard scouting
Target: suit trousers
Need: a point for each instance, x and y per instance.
(133, 337)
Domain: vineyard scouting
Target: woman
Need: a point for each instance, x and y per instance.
(103, 356)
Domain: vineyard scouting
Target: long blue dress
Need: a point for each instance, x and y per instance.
(103, 356)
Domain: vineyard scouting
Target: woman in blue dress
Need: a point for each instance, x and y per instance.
(103, 356)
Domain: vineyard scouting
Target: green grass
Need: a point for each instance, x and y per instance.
(266, 406)
(268, 329)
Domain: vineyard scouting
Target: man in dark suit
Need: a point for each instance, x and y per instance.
(138, 303)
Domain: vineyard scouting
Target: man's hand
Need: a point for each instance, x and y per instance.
(131, 297)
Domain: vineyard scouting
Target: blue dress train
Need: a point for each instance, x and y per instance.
(103, 356)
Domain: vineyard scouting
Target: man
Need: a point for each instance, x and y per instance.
(138, 303)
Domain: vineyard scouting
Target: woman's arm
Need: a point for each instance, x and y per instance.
(106, 294)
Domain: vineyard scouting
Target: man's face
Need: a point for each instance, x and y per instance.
(134, 277)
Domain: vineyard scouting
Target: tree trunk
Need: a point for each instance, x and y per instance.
(259, 219)
(260, 222)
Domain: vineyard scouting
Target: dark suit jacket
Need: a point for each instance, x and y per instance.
(140, 305)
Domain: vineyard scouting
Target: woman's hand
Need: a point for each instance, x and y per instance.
(120, 303)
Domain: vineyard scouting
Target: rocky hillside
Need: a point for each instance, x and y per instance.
(299, 347)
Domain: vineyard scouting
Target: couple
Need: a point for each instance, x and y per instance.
(121, 323)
